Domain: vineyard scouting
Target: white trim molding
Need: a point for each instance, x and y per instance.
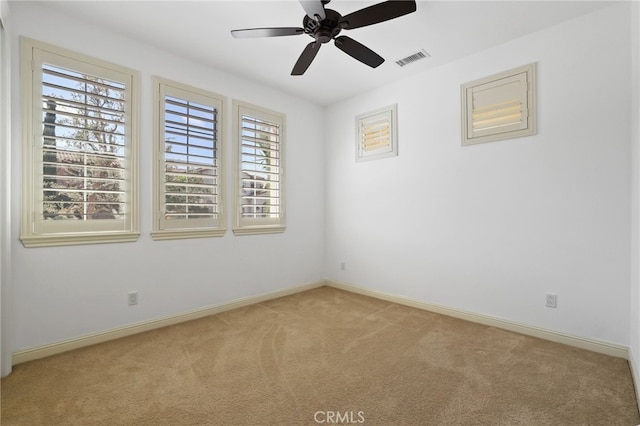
(553, 336)
(105, 336)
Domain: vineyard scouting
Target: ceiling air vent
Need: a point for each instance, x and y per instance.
(422, 54)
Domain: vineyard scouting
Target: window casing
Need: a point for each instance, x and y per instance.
(501, 106)
(188, 162)
(80, 148)
(259, 137)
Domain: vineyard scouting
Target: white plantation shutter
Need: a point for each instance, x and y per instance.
(189, 197)
(83, 146)
(500, 106)
(260, 169)
(376, 134)
(80, 184)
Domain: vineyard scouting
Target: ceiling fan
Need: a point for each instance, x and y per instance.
(324, 25)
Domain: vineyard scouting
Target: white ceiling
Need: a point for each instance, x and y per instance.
(447, 30)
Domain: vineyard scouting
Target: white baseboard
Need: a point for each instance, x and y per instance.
(579, 342)
(104, 336)
(100, 337)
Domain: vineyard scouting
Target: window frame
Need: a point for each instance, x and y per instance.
(525, 75)
(248, 226)
(191, 228)
(35, 231)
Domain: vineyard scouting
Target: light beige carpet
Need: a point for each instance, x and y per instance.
(323, 356)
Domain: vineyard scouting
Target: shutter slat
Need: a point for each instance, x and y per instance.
(70, 144)
(77, 156)
(261, 124)
(183, 188)
(64, 103)
(189, 128)
(180, 165)
(259, 161)
(189, 156)
(256, 143)
(120, 134)
(190, 175)
(83, 117)
(188, 105)
(82, 78)
(82, 93)
(497, 122)
(189, 145)
(260, 172)
(208, 205)
(90, 169)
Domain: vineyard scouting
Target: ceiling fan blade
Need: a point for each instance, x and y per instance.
(313, 8)
(358, 51)
(377, 13)
(306, 58)
(266, 32)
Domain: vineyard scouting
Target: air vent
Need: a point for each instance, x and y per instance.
(422, 54)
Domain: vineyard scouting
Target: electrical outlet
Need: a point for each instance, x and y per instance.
(343, 266)
(133, 298)
(552, 300)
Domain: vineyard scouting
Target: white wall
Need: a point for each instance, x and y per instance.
(65, 292)
(490, 228)
(634, 344)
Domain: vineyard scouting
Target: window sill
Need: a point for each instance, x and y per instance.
(77, 239)
(187, 233)
(248, 230)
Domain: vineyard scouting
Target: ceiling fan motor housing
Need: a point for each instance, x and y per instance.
(327, 29)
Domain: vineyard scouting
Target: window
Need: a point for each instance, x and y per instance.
(499, 107)
(259, 186)
(188, 178)
(377, 134)
(80, 147)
